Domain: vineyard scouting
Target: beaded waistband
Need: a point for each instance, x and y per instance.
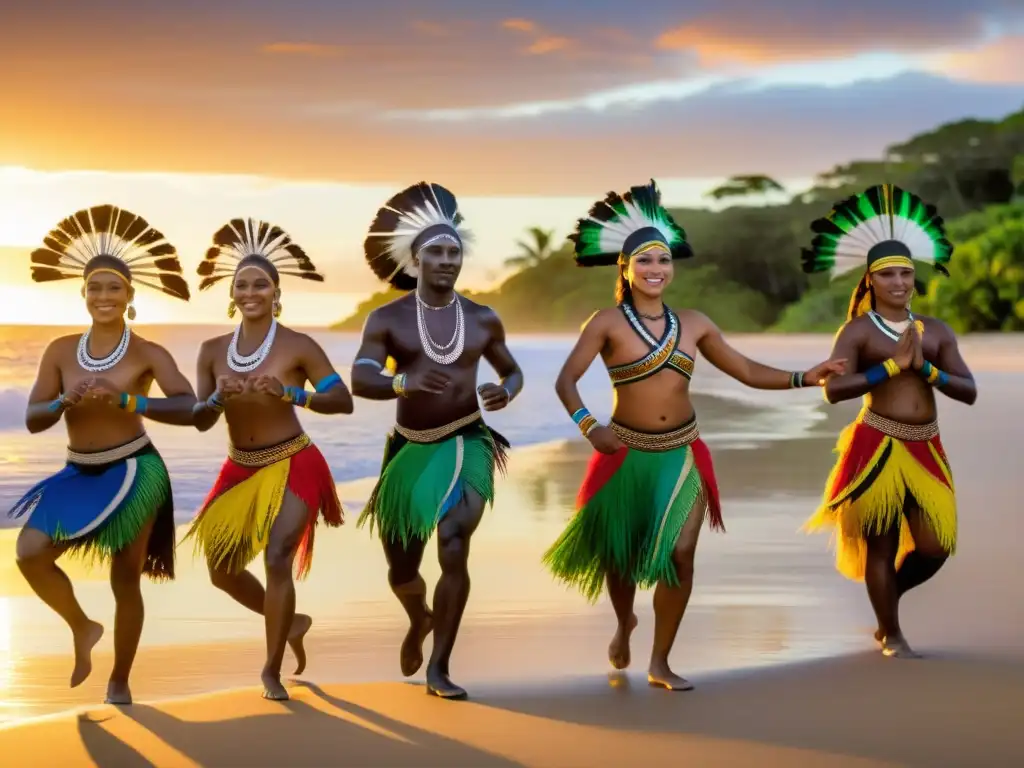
(437, 433)
(899, 430)
(111, 454)
(660, 441)
(264, 457)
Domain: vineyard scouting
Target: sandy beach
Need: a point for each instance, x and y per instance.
(779, 645)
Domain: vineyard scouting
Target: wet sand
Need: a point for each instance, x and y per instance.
(533, 656)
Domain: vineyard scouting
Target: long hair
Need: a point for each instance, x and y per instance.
(623, 291)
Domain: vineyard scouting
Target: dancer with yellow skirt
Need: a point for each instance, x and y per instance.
(650, 484)
(112, 501)
(890, 499)
(275, 485)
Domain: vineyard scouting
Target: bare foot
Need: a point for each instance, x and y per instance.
(272, 687)
(660, 676)
(85, 639)
(300, 626)
(618, 649)
(439, 684)
(879, 636)
(118, 693)
(898, 648)
(411, 655)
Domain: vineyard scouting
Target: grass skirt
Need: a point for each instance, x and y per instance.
(630, 511)
(869, 486)
(234, 523)
(97, 508)
(421, 482)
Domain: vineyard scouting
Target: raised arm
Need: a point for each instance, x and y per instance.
(367, 381)
(331, 395)
(951, 376)
(724, 357)
(210, 404)
(497, 353)
(46, 402)
(179, 398)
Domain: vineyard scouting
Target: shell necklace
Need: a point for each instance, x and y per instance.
(245, 363)
(95, 365)
(431, 348)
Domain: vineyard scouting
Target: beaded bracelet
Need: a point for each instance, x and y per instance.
(297, 396)
(398, 384)
(796, 379)
(585, 421)
(134, 403)
(214, 402)
(879, 373)
(57, 405)
(933, 375)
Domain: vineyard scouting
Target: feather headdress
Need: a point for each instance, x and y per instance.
(619, 226)
(415, 217)
(110, 238)
(882, 227)
(246, 240)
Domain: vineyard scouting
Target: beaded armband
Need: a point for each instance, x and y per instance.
(297, 396)
(134, 403)
(879, 373)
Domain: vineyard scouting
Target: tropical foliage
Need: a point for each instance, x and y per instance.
(746, 275)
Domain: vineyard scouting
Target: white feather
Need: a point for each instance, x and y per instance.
(411, 223)
(614, 233)
(852, 247)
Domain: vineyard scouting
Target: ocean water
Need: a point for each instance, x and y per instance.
(731, 414)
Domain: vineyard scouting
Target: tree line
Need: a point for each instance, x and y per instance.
(746, 274)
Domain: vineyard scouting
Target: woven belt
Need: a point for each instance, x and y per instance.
(111, 454)
(661, 441)
(264, 457)
(437, 433)
(909, 432)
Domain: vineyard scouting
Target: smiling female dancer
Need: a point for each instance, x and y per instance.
(890, 497)
(650, 481)
(112, 500)
(275, 484)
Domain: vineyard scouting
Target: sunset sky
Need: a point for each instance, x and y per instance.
(311, 113)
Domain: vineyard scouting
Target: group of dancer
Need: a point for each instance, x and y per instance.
(648, 488)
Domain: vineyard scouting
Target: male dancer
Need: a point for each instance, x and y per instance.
(890, 497)
(112, 501)
(439, 462)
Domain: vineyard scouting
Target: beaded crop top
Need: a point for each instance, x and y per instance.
(664, 352)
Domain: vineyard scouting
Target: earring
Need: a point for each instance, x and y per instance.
(231, 308)
(131, 311)
(277, 308)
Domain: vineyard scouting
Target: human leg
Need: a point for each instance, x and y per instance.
(404, 561)
(36, 556)
(670, 603)
(452, 591)
(621, 593)
(129, 612)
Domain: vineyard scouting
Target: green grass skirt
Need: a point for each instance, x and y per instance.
(421, 482)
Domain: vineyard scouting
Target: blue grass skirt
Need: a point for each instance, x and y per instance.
(95, 508)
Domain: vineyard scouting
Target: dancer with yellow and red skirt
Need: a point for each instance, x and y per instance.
(650, 483)
(890, 499)
(112, 501)
(275, 485)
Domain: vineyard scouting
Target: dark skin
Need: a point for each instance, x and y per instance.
(658, 403)
(95, 422)
(909, 399)
(257, 418)
(436, 395)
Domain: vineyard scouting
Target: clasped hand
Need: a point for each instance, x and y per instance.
(910, 349)
(232, 386)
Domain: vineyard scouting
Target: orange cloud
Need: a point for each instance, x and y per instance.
(997, 62)
(304, 49)
(549, 44)
(431, 28)
(520, 25)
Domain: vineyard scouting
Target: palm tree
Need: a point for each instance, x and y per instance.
(743, 186)
(533, 250)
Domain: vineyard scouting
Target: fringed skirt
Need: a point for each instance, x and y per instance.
(233, 525)
(631, 508)
(426, 473)
(100, 502)
(882, 463)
